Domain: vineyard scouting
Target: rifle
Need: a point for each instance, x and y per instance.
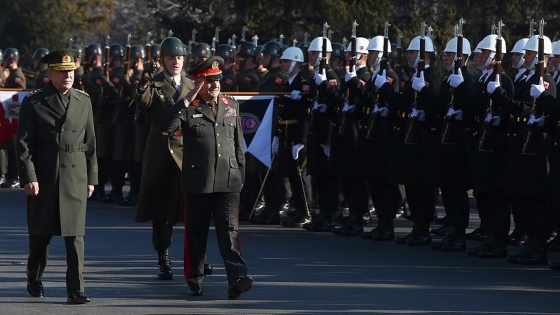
(281, 39)
(345, 126)
(531, 138)
(305, 49)
(398, 66)
(128, 57)
(148, 60)
(413, 124)
(234, 52)
(322, 66)
(107, 56)
(294, 42)
(485, 144)
(373, 126)
(215, 39)
(244, 30)
(449, 133)
(70, 42)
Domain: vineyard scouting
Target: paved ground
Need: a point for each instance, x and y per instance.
(295, 272)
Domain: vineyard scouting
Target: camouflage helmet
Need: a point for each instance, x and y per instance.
(137, 51)
(116, 50)
(11, 54)
(338, 50)
(93, 50)
(272, 48)
(172, 46)
(247, 49)
(79, 49)
(39, 53)
(225, 51)
(155, 51)
(202, 50)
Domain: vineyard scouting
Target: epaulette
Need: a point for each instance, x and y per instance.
(34, 92)
(230, 97)
(84, 93)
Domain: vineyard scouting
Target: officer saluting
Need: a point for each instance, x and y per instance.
(212, 175)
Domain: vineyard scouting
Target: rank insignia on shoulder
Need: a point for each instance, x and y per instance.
(34, 92)
(82, 92)
(224, 100)
(196, 116)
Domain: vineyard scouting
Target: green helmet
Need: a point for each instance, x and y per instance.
(39, 53)
(11, 54)
(172, 46)
(137, 51)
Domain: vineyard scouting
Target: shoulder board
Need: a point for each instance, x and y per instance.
(34, 92)
(230, 97)
(82, 92)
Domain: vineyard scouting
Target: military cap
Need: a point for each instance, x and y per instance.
(61, 60)
(209, 68)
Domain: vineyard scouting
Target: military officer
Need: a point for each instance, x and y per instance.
(160, 195)
(56, 151)
(212, 175)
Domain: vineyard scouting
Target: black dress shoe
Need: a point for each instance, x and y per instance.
(440, 231)
(241, 285)
(337, 230)
(129, 201)
(419, 239)
(35, 288)
(10, 183)
(517, 239)
(352, 230)
(296, 222)
(403, 239)
(164, 271)
(323, 225)
(478, 234)
(208, 270)
(529, 257)
(494, 251)
(195, 289)
(77, 298)
(269, 218)
(456, 244)
(380, 234)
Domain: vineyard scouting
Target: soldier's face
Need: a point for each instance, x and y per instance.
(265, 60)
(529, 56)
(480, 58)
(555, 61)
(411, 57)
(448, 59)
(173, 64)
(210, 89)
(313, 55)
(62, 80)
(515, 58)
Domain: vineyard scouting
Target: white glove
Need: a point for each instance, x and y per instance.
(450, 112)
(380, 79)
(418, 83)
(456, 79)
(493, 85)
(488, 118)
(539, 122)
(458, 114)
(321, 108)
(420, 114)
(496, 121)
(275, 144)
(381, 111)
(295, 150)
(320, 77)
(326, 150)
(348, 108)
(350, 74)
(537, 89)
(295, 95)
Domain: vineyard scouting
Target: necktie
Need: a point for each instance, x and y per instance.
(175, 85)
(213, 108)
(483, 78)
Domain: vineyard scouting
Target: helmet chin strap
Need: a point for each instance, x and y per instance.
(488, 61)
(532, 65)
(519, 64)
(416, 61)
(292, 65)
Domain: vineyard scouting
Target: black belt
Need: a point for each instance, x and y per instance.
(175, 133)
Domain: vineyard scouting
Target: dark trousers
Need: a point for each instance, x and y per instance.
(12, 170)
(103, 174)
(386, 199)
(456, 203)
(355, 193)
(327, 195)
(421, 203)
(536, 213)
(496, 209)
(162, 234)
(38, 256)
(199, 209)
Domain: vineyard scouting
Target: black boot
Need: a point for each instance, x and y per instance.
(164, 266)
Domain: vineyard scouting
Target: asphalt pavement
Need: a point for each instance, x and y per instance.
(295, 272)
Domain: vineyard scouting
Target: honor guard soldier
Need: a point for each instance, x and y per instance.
(337, 61)
(212, 174)
(56, 153)
(527, 176)
(160, 201)
(412, 142)
(40, 68)
(2, 75)
(15, 80)
(455, 162)
(228, 81)
(79, 72)
(378, 128)
(345, 155)
(325, 89)
(201, 52)
(247, 79)
(490, 151)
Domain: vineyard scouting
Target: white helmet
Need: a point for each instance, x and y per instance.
(452, 46)
(376, 44)
(415, 44)
(293, 54)
(362, 45)
(489, 43)
(556, 48)
(533, 44)
(553, 49)
(519, 46)
(317, 44)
